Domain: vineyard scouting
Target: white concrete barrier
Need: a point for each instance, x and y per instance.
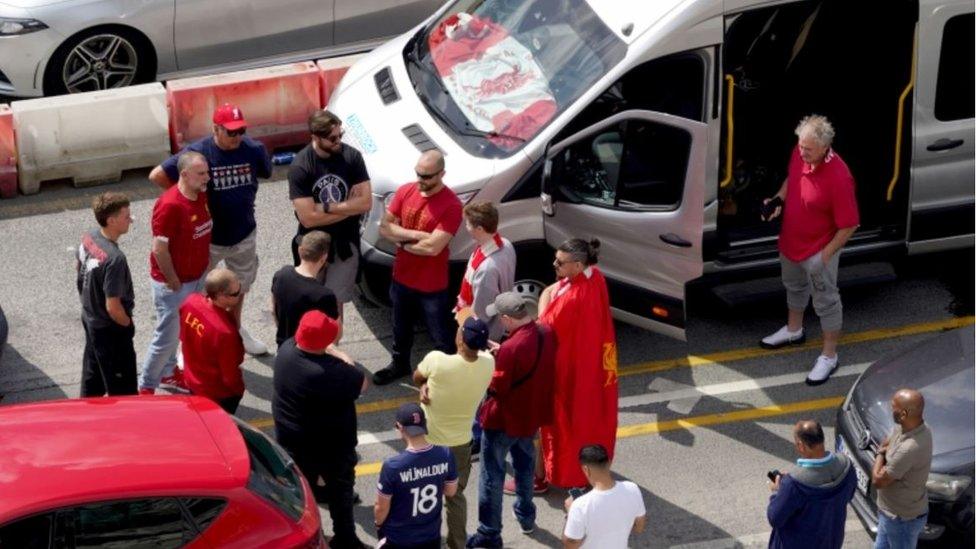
(90, 138)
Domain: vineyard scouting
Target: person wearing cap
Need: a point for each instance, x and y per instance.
(212, 347)
(519, 402)
(411, 487)
(421, 220)
(451, 387)
(236, 162)
(490, 270)
(329, 188)
(314, 410)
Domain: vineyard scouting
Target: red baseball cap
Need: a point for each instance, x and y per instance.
(229, 116)
(316, 331)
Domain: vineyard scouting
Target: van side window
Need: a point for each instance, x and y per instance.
(634, 165)
(955, 88)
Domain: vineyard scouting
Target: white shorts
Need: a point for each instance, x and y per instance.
(242, 258)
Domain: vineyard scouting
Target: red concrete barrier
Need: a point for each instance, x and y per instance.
(8, 154)
(331, 72)
(275, 101)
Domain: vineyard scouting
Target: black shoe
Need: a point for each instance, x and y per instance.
(389, 374)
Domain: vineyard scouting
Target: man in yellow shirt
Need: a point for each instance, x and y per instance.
(451, 387)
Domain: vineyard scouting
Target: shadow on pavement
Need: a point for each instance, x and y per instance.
(22, 381)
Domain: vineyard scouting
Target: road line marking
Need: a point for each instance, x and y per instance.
(655, 427)
(733, 387)
(710, 359)
(757, 540)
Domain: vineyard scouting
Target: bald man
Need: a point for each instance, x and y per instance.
(900, 471)
(808, 507)
(421, 220)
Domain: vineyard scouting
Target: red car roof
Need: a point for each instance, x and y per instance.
(65, 452)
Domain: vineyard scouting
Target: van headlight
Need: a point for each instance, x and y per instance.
(947, 487)
(10, 26)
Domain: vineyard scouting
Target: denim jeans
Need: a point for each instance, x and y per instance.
(161, 355)
(898, 533)
(495, 445)
(407, 305)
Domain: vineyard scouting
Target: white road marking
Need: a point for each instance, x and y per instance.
(682, 405)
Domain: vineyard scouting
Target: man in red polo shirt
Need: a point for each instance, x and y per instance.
(421, 220)
(820, 216)
(212, 346)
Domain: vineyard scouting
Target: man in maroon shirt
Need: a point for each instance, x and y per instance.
(820, 215)
(212, 346)
(421, 220)
(519, 401)
(181, 227)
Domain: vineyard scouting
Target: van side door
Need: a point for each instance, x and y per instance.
(943, 166)
(636, 182)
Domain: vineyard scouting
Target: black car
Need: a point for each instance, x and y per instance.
(942, 368)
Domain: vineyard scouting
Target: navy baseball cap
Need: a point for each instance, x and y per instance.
(475, 333)
(412, 419)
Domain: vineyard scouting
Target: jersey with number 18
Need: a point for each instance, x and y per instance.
(414, 481)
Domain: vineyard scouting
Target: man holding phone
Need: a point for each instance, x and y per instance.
(604, 517)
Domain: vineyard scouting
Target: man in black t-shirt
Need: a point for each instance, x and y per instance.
(107, 299)
(297, 290)
(314, 409)
(330, 189)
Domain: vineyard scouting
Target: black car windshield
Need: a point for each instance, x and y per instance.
(495, 72)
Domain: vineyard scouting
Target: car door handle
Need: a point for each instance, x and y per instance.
(675, 240)
(944, 145)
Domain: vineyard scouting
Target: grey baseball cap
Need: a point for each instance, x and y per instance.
(509, 304)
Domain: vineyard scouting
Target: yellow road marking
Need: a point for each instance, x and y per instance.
(656, 427)
(712, 358)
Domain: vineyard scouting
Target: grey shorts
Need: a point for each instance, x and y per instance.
(242, 258)
(812, 277)
(340, 276)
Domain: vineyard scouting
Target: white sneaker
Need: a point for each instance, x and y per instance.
(821, 370)
(252, 346)
(783, 337)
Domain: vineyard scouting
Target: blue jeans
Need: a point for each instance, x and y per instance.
(161, 355)
(898, 533)
(495, 445)
(407, 305)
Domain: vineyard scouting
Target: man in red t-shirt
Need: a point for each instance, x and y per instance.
(212, 346)
(820, 215)
(421, 220)
(180, 254)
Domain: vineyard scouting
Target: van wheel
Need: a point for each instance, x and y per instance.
(531, 291)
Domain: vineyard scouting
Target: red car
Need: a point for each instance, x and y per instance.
(140, 472)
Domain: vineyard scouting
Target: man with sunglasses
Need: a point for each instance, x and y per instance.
(421, 219)
(212, 347)
(236, 162)
(329, 188)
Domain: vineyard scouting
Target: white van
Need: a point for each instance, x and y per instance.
(659, 126)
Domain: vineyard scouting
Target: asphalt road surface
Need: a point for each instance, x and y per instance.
(700, 422)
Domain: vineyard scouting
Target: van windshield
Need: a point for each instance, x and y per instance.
(495, 72)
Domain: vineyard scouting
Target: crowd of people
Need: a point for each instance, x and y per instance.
(490, 388)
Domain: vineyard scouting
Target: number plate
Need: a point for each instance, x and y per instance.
(862, 477)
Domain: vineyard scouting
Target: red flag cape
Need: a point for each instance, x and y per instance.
(585, 386)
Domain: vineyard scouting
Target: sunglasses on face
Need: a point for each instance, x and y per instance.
(235, 133)
(559, 263)
(426, 176)
(333, 138)
(235, 294)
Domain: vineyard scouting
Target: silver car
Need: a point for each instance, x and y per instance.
(50, 47)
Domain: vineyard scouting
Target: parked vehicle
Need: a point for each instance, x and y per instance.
(942, 368)
(659, 127)
(147, 472)
(50, 47)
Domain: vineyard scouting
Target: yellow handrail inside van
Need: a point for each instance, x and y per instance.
(901, 119)
(728, 137)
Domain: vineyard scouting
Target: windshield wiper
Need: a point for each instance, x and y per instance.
(475, 132)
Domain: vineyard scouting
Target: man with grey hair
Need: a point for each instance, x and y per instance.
(819, 208)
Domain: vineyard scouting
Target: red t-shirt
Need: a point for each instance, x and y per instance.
(186, 224)
(212, 349)
(442, 211)
(819, 202)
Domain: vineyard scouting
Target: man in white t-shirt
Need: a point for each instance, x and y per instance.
(605, 516)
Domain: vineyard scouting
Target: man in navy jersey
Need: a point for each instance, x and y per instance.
(412, 486)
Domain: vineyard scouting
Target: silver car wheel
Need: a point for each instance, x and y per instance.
(100, 62)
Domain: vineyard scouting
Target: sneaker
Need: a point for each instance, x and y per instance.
(478, 539)
(539, 486)
(175, 381)
(147, 391)
(389, 374)
(475, 450)
(783, 337)
(523, 528)
(821, 370)
(253, 347)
